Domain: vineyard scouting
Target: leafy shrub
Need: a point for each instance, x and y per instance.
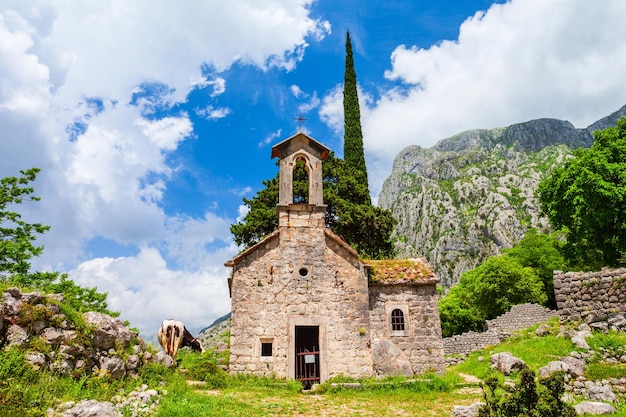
(203, 368)
(15, 378)
(526, 399)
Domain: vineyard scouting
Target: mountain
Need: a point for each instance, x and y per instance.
(473, 194)
(215, 333)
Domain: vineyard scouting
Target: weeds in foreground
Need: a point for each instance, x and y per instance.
(26, 392)
(526, 398)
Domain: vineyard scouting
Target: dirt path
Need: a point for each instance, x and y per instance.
(470, 378)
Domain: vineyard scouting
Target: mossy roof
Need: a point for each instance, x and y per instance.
(400, 272)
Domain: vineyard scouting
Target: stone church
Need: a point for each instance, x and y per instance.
(304, 306)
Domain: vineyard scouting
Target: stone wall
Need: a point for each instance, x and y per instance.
(300, 277)
(590, 296)
(519, 317)
(418, 348)
(470, 342)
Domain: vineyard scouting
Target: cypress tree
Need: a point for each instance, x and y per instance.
(353, 153)
(349, 209)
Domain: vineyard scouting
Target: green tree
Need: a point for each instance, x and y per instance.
(261, 218)
(542, 253)
(16, 235)
(353, 152)
(349, 213)
(17, 249)
(587, 199)
(500, 283)
(458, 313)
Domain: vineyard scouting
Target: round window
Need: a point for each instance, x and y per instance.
(303, 272)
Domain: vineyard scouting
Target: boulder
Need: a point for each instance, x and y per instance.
(36, 359)
(466, 410)
(11, 303)
(56, 336)
(600, 326)
(553, 366)
(601, 393)
(132, 363)
(64, 366)
(92, 408)
(576, 366)
(506, 363)
(579, 340)
(542, 330)
(17, 336)
(594, 408)
(163, 359)
(32, 298)
(108, 331)
(617, 322)
(389, 360)
(113, 367)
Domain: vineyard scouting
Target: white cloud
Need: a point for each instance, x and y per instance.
(296, 91)
(312, 103)
(186, 239)
(212, 113)
(242, 210)
(271, 138)
(146, 291)
(86, 93)
(218, 84)
(520, 60)
(241, 191)
(168, 132)
(331, 110)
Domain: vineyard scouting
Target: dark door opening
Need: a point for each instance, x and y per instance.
(307, 355)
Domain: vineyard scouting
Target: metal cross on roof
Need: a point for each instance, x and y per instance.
(300, 119)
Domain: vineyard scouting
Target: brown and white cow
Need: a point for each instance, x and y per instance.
(172, 335)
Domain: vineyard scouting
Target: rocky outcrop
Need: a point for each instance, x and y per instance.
(473, 194)
(594, 408)
(94, 343)
(140, 402)
(466, 410)
(506, 363)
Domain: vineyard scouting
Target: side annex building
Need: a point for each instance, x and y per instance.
(304, 306)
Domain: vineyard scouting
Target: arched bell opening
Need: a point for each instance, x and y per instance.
(301, 180)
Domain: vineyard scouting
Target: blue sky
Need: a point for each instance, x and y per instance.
(152, 120)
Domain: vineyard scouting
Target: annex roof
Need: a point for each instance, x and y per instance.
(400, 272)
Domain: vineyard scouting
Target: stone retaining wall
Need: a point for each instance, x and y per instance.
(519, 317)
(590, 296)
(469, 342)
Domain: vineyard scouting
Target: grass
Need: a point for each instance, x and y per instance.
(25, 392)
(244, 398)
(535, 351)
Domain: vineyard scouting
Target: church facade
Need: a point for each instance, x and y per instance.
(304, 306)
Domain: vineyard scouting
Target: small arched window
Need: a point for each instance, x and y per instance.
(397, 319)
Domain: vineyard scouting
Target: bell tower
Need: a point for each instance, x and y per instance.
(300, 148)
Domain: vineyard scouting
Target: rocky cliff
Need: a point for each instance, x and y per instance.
(473, 194)
(87, 344)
